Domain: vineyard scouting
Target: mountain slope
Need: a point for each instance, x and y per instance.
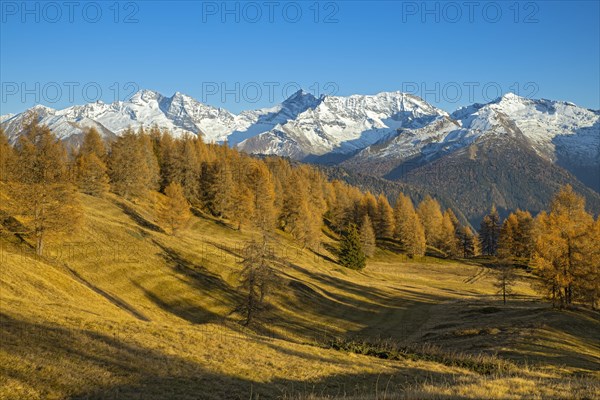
(496, 170)
(559, 132)
(514, 152)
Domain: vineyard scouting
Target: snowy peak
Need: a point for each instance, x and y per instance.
(555, 129)
(5, 117)
(343, 125)
(145, 96)
(387, 125)
(300, 98)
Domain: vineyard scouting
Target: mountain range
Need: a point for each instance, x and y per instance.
(512, 151)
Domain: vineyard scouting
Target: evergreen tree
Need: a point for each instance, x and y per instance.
(453, 219)
(402, 213)
(351, 252)
(416, 243)
(294, 203)
(263, 192)
(588, 274)
(175, 212)
(224, 186)
(90, 168)
(367, 236)
(242, 208)
(191, 152)
(149, 157)
(368, 206)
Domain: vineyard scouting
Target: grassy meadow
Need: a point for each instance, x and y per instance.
(121, 310)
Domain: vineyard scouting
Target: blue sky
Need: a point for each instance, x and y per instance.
(252, 54)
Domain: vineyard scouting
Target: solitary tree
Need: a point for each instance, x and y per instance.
(256, 280)
(505, 279)
(351, 253)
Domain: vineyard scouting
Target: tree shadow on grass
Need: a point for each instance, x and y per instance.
(391, 245)
(312, 304)
(182, 308)
(81, 363)
(138, 218)
(200, 280)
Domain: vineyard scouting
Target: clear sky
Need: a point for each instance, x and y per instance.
(243, 55)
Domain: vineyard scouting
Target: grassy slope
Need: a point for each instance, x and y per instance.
(125, 311)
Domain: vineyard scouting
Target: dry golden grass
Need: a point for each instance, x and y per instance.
(121, 310)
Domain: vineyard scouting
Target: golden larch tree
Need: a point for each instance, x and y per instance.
(430, 214)
(367, 236)
(384, 222)
(175, 210)
(43, 198)
(562, 248)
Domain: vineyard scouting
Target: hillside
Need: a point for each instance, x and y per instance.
(122, 310)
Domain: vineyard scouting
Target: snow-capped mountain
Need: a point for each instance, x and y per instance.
(343, 125)
(559, 132)
(146, 108)
(179, 114)
(254, 122)
(5, 117)
(371, 133)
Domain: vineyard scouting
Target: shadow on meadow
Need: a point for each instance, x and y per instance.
(84, 364)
